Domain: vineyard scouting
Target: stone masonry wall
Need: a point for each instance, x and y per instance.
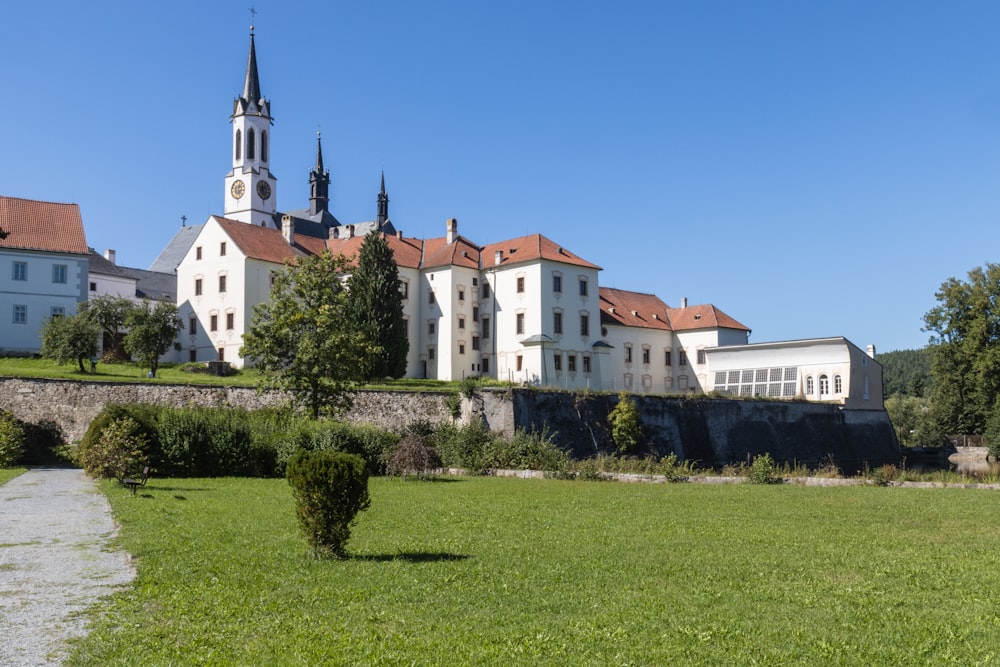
(710, 431)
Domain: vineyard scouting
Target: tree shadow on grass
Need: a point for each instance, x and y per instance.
(409, 557)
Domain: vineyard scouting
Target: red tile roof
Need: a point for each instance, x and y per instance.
(633, 309)
(462, 252)
(261, 243)
(406, 252)
(532, 247)
(42, 225)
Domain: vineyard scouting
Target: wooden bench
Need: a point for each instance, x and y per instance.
(136, 483)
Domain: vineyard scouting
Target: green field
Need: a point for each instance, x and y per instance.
(491, 571)
(9, 473)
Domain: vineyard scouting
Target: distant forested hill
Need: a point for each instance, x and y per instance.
(906, 372)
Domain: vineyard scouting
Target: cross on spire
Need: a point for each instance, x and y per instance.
(253, 17)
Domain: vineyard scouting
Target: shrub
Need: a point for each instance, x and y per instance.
(464, 446)
(674, 469)
(12, 439)
(369, 442)
(626, 425)
(413, 456)
(453, 403)
(120, 451)
(468, 387)
(762, 470)
(527, 450)
(329, 488)
(203, 442)
(144, 415)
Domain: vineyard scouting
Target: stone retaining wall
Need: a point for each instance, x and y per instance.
(710, 431)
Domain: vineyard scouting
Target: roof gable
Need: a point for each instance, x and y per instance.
(705, 316)
(263, 243)
(531, 248)
(40, 225)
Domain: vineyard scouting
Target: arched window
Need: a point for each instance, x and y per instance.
(838, 384)
(810, 387)
(263, 146)
(251, 144)
(824, 385)
(239, 144)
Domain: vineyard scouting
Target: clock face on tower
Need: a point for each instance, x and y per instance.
(263, 190)
(238, 189)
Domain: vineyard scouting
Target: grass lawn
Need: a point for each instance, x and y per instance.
(489, 571)
(7, 474)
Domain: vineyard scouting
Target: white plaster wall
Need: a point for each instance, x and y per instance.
(661, 378)
(112, 285)
(38, 293)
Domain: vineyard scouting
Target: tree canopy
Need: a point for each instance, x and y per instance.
(152, 330)
(906, 372)
(376, 305)
(303, 339)
(70, 337)
(110, 313)
(965, 328)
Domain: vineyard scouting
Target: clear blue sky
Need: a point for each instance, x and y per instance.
(811, 168)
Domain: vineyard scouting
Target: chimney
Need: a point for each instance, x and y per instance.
(497, 257)
(288, 229)
(871, 351)
(452, 230)
(333, 233)
(111, 256)
(399, 234)
(348, 231)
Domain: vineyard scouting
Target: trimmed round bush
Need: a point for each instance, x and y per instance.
(120, 451)
(329, 488)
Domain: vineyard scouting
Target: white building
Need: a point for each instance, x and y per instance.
(43, 269)
(526, 310)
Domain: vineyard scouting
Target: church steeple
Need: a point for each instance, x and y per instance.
(383, 205)
(319, 183)
(251, 188)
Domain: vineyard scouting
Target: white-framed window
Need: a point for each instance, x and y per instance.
(628, 353)
(557, 361)
(584, 324)
(20, 271)
(57, 311)
(557, 327)
(583, 286)
(230, 321)
(486, 327)
(701, 356)
(213, 322)
(571, 362)
(810, 386)
(197, 252)
(222, 284)
(838, 384)
(557, 282)
(682, 358)
(645, 358)
(824, 385)
(404, 289)
(666, 357)
(59, 273)
(586, 363)
(461, 322)
(519, 323)
(520, 284)
(222, 249)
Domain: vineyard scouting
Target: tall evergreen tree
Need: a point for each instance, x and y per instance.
(376, 305)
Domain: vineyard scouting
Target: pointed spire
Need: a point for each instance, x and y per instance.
(319, 153)
(251, 87)
(319, 182)
(383, 205)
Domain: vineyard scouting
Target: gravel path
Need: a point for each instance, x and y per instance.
(55, 561)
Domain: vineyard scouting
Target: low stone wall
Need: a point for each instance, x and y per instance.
(711, 431)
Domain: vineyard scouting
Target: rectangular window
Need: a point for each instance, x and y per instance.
(222, 354)
(404, 289)
(461, 348)
(475, 281)
(430, 296)
(461, 323)
(59, 311)
(701, 356)
(519, 360)
(486, 364)
(682, 358)
(557, 283)
(520, 284)
(93, 287)
(586, 364)
(197, 252)
(486, 327)
(222, 284)
(666, 357)
(197, 286)
(475, 313)
(20, 314)
(430, 328)
(584, 325)
(571, 362)
(475, 342)
(461, 295)
(230, 321)
(213, 323)
(557, 361)
(557, 322)
(59, 273)
(583, 287)
(430, 353)
(519, 323)
(645, 355)
(192, 356)
(222, 249)
(486, 290)
(20, 270)
(193, 326)
(628, 354)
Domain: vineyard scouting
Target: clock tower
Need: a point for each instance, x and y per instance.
(251, 188)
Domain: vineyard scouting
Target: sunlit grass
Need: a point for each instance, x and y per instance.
(491, 571)
(7, 474)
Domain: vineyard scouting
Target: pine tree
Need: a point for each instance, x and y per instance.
(376, 305)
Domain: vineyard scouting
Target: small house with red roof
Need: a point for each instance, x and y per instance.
(43, 269)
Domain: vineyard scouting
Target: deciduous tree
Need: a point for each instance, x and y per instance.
(965, 337)
(376, 304)
(303, 339)
(152, 330)
(69, 337)
(110, 313)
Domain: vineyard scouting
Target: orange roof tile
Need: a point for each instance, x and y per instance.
(704, 316)
(41, 225)
(532, 247)
(261, 243)
(405, 251)
(633, 309)
(462, 252)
